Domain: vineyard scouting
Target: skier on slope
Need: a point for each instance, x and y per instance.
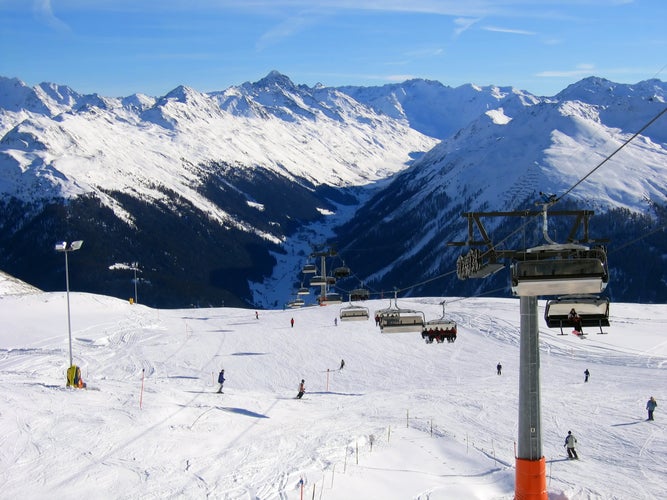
(221, 380)
(651, 405)
(302, 389)
(570, 443)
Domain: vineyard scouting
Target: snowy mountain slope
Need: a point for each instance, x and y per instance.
(189, 156)
(19, 102)
(502, 163)
(235, 174)
(442, 424)
(438, 110)
(626, 107)
(115, 147)
(9, 285)
(510, 162)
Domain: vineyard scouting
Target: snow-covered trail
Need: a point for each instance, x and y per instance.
(441, 422)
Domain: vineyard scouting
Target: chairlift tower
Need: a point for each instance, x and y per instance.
(548, 270)
(323, 284)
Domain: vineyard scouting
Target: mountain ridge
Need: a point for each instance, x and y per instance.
(271, 158)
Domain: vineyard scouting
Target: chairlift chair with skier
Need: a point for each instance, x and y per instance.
(592, 311)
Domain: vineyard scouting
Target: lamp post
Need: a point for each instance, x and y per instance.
(135, 268)
(66, 248)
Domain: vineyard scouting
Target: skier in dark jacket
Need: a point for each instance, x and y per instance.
(651, 405)
(586, 375)
(221, 380)
(576, 321)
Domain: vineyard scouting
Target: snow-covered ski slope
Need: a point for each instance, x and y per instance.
(442, 424)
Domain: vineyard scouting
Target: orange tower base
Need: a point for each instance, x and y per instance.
(531, 479)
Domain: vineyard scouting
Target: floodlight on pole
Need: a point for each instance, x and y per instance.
(66, 248)
(135, 268)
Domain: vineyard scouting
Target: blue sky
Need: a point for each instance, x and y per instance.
(119, 47)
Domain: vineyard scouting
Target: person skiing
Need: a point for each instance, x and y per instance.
(586, 375)
(302, 389)
(221, 380)
(570, 442)
(499, 369)
(292, 322)
(342, 364)
(651, 405)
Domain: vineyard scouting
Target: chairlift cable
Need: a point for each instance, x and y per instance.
(426, 281)
(660, 228)
(630, 139)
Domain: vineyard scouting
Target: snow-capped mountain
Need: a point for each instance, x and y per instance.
(438, 110)
(209, 191)
(501, 162)
(204, 184)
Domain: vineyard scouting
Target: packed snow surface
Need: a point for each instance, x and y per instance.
(402, 420)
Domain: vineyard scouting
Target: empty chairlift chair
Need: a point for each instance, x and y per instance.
(309, 269)
(318, 280)
(397, 320)
(296, 303)
(560, 269)
(359, 294)
(341, 271)
(354, 313)
(329, 298)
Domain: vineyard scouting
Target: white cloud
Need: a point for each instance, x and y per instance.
(464, 24)
(287, 28)
(44, 12)
(508, 30)
(399, 78)
(580, 70)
